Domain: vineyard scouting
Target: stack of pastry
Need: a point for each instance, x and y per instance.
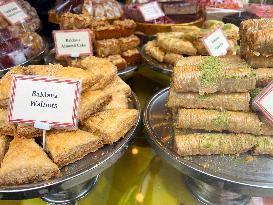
(104, 118)
(32, 23)
(210, 102)
(256, 42)
(115, 41)
(187, 40)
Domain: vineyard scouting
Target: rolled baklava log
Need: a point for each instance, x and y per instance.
(210, 143)
(263, 76)
(261, 41)
(211, 80)
(219, 101)
(212, 120)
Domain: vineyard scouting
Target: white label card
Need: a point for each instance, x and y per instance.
(216, 43)
(73, 42)
(47, 100)
(13, 12)
(265, 102)
(151, 11)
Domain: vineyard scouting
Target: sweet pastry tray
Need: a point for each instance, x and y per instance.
(155, 65)
(78, 172)
(50, 58)
(33, 60)
(245, 174)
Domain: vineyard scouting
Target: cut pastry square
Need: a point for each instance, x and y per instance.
(112, 125)
(117, 85)
(4, 145)
(88, 79)
(68, 147)
(6, 83)
(119, 101)
(91, 102)
(118, 61)
(6, 128)
(27, 130)
(26, 162)
(103, 69)
(132, 57)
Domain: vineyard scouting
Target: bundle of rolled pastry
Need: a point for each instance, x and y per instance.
(220, 143)
(256, 42)
(212, 143)
(219, 101)
(212, 120)
(212, 74)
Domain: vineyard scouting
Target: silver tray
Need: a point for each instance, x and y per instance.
(32, 61)
(124, 73)
(155, 65)
(80, 171)
(234, 173)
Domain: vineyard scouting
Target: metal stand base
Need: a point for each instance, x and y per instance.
(71, 195)
(214, 195)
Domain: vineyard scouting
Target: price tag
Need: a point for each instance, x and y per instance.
(264, 102)
(151, 11)
(73, 42)
(216, 43)
(13, 12)
(37, 99)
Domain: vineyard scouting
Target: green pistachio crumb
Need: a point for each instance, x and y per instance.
(211, 71)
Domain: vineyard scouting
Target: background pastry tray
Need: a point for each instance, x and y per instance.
(155, 65)
(33, 60)
(124, 73)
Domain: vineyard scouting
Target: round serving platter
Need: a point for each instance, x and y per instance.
(32, 61)
(124, 73)
(155, 65)
(229, 173)
(79, 176)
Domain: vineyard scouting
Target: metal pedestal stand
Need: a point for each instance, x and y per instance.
(73, 194)
(214, 195)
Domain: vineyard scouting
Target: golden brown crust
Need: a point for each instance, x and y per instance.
(27, 131)
(103, 69)
(119, 29)
(112, 125)
(88, 79)
(118, 85)
(119, 101)
(26, 162)
(6, 83)
(92, 102)
(6, 128)
(80, 21)
(4, 145)
(68, 147)
(132, 57)
(212, 120)
(118, 61)
(113, 46)
(210, 143)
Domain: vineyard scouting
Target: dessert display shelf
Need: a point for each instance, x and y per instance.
(78, 178)
(215, 179)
